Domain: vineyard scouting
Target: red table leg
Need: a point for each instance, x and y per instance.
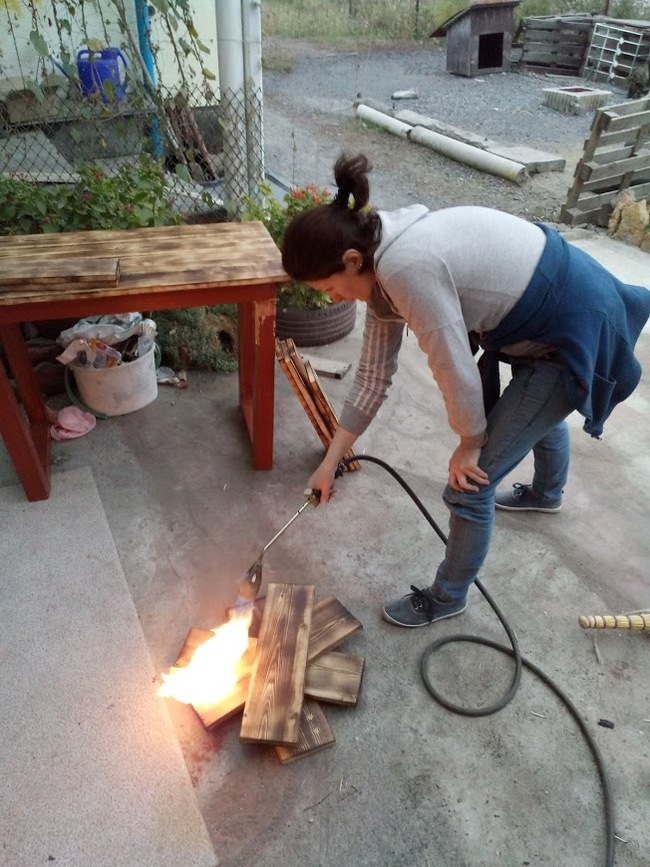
(27, 440)
(257, 376)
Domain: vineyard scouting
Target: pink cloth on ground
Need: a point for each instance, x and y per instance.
(70, 422)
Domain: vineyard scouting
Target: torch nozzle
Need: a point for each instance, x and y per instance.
(252, 580)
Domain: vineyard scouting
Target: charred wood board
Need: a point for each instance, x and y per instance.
(275, 695)
(331, 624)
(95, 272)
(315, 734)
(335, 677)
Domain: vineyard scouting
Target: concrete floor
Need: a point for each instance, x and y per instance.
(407, 783)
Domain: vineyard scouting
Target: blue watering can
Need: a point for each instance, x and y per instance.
(96, 68)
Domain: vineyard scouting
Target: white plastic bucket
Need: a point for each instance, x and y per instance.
(118, 390)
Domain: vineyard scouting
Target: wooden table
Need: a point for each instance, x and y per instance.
(79, 274)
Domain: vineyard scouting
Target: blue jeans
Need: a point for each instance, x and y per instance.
(530, 414)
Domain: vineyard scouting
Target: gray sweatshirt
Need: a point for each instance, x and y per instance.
(442, 273)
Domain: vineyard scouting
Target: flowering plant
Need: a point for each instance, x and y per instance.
(133, 197)
(276, 214)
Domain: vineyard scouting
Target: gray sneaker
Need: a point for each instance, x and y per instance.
(419, 608)
(522, 498)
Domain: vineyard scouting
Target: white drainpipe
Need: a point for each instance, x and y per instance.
(252, 30)
(233, 101)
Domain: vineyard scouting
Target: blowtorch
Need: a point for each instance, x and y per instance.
(250, 584)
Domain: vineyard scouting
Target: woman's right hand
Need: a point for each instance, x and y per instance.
(323, 480)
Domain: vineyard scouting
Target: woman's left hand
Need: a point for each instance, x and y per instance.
(464, 471)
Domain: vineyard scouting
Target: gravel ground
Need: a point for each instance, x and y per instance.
(309, 118)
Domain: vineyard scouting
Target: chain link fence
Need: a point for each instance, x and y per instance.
(210, 148)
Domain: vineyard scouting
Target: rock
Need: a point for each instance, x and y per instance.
(629, 220)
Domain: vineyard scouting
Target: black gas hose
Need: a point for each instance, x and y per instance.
(519, 661)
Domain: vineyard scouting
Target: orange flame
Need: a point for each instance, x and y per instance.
(212, 672)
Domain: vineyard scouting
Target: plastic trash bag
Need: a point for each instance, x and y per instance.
(107, 341)
(110, 329)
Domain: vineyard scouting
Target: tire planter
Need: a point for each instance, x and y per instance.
(316, 327)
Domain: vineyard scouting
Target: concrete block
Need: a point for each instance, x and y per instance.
(575, 99)
(23, 106)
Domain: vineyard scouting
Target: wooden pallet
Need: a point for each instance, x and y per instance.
(554, 44)
(616, 157)
(328, 676)
(306, 385)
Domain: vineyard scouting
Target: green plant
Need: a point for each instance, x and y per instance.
(198, 338)
(135, 197)
(275, 214)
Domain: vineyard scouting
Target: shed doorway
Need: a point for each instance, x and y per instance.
(490, 50)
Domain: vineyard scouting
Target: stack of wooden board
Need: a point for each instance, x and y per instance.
(287, 670)
(304, 381)
(555, 44)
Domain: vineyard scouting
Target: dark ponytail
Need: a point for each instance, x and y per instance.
(315, 240)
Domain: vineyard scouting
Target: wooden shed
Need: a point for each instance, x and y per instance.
(479, 38)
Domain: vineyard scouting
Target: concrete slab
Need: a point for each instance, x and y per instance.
(91, 770)
(33, 156)
(534, 160)
(407, 782)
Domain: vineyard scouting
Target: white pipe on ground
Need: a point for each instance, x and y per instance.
(371, 115)
(449, 147)
(471, 156)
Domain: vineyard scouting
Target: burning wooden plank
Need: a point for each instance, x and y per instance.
(335, 678)
(315, 734)
(213, 713)
(331, 624)
(274, 701)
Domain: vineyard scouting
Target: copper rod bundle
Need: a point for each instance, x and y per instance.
(638, 621)
(305, 383)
